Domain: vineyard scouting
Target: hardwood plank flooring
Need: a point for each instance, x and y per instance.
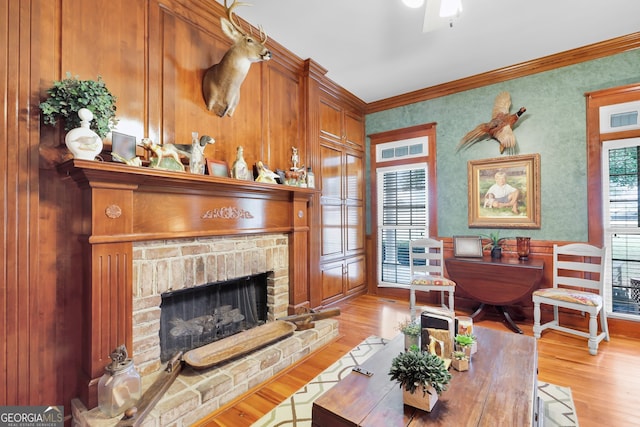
(605, 388)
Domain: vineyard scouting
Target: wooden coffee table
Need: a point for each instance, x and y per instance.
(498, 390)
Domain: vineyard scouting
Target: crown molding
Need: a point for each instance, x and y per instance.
(546, 63)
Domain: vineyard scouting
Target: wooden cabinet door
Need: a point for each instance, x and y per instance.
(356, 273)
(332, 281)
(330, 120)
(354, 202)
(331, 219)
(354, 129)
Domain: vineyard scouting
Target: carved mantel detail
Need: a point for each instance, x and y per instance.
(228, 212)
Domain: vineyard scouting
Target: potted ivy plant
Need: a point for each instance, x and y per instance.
(422, 376)
(66, 97)
(495, 244)
(411, 331)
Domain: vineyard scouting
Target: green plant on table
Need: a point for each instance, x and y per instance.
(414, 368)
(465, 340)
(459, 355)
(68, 96)
(409, 328)
(495, 241)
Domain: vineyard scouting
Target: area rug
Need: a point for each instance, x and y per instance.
(558, 405)
(296, 410)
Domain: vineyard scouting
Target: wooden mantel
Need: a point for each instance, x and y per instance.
(123, 204)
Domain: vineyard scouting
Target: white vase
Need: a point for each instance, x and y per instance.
(84, 143)
(417, 399)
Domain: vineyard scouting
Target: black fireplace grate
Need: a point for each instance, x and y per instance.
(191, 318)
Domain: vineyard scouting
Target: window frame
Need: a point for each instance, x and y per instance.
(595, 139)
(425, 130)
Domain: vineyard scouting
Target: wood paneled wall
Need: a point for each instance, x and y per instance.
(152, 56)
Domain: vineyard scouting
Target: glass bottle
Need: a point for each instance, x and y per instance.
(311, 179)
(120, 387)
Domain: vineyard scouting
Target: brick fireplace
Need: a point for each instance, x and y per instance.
(147, 231)
(160, 266)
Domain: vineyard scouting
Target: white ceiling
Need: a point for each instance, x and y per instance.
(376, 49)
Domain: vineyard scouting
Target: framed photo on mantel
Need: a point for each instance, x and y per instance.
(504, 192)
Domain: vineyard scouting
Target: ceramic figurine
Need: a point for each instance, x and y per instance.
(166, 157)
(295, 158)
(82, 141)
(240, 170)
(265, 175)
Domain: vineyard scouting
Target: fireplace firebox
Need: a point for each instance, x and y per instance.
(191, 318)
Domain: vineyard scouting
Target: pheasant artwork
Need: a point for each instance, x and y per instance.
(499, 128)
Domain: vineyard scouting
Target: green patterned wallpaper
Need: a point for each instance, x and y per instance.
(554, 126)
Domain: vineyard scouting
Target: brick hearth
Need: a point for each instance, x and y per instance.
(159, 266)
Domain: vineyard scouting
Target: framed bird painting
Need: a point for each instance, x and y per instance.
(504, 192)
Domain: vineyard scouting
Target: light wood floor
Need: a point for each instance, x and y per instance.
(605, 388)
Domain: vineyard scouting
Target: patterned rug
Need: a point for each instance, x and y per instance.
(296, 410)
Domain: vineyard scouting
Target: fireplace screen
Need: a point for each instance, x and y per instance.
(191, 318)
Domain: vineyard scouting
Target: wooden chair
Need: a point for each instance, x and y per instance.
(427, 272)
(578, 281)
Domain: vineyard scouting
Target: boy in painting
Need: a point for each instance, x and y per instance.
(504, 195)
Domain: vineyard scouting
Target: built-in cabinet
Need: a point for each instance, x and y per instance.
(341, 178)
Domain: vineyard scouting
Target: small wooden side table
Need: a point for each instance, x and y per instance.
(497, 282)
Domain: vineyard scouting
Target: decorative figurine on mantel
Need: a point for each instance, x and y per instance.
(295, 159)
(240, 170)
(295, 176)
(82, 141)
(265, 175)
(166, 156)
(195, 152)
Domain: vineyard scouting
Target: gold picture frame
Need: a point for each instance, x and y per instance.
(514, 201)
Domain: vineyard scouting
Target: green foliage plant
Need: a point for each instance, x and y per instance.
(68, 96)
(459, 355)
(495, 241)
(410, 328)
(415, 368)
(464, 340)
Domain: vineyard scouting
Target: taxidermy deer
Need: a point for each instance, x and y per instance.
(221, 83)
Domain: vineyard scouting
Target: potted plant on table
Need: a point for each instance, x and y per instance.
(460, 361)
(422, 377)
(80, 104)
(411, 331)
(495, 244)
(464, 343)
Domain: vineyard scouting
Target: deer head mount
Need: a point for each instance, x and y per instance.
(221, 83)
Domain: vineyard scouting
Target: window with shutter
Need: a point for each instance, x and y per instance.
(621, 225)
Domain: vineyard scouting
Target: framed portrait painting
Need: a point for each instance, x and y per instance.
(504, 192)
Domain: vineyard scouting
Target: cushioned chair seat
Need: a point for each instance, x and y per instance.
(570, 295)
(431, 281)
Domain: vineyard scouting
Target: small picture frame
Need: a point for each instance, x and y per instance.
(467, 246)
(123, 145)
(217, 168)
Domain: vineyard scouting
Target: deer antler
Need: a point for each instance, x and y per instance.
(229, 10)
